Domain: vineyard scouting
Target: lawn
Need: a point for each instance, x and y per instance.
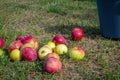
(46, 18)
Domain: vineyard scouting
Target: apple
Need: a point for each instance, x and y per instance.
(20, 38)
(1, 42)
(59, 39)
(15, 55)
(1, 53)
(43, 51)
(14, 45)
(29, 54)
(77, 34)
(29, 39)
(54, 55)
(52, 65)
(26, 45)
(77, 53)
(51, 44)
(61, 49)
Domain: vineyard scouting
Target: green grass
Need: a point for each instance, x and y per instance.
(46, 18)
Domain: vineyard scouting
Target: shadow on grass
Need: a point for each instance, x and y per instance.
(90, 32)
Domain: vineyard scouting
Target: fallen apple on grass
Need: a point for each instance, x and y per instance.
(20, 38)
(59, 39)
(1, 42)
(15, 55)
(52, 65)
(51, 44)
(76, 53)
(77, 34)
(61, 49)
(31, 40)
(54, 55)
(43, 51)
(14, 45)
(29, 54)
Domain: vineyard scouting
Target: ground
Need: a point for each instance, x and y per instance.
(46, 18)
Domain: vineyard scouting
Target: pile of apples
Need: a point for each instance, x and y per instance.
(23, 47)
(27, 48)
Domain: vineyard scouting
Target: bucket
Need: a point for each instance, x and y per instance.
(109, 18)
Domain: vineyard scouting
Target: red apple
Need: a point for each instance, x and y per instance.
(52, 65)
(59, 39)
(54, 55)
(14, 45)
(1, 42)
(77, 34)
(77, 53)
(29, 54)
(29, 39)
(20, 38)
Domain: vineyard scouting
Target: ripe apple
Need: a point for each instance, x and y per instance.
(1, 42)
(26, 45)
(20, 38)
(54, 55)
(14, 45)
(77, 53)
(61, 49)
(77, 34)
(43, 51)
(59, 39)
(29, 54)
(29, 39)
(52, 65)
(15, 55)
(1, 53)
(51, 44)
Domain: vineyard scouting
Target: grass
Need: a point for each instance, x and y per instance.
(46, 18)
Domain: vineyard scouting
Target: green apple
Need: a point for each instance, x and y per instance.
(77, 53)
(43, 51)
(27, 45)
(51, 45)
(16, 55)
(61, 49)
(1, 53)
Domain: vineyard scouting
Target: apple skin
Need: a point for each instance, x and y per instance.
(77, 34)
(54, 55)
(43, 51)
(29, 39)
(1, 42)
(77, 53)
(26, 45)
(29, 54)
(20, 38)
(61, 49)
(1, 53)
(15, 55)
(14, 45)
(52, 65)
(51, 44)
(59, 39)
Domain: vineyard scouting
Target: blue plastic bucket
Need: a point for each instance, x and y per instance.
(109, 18)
